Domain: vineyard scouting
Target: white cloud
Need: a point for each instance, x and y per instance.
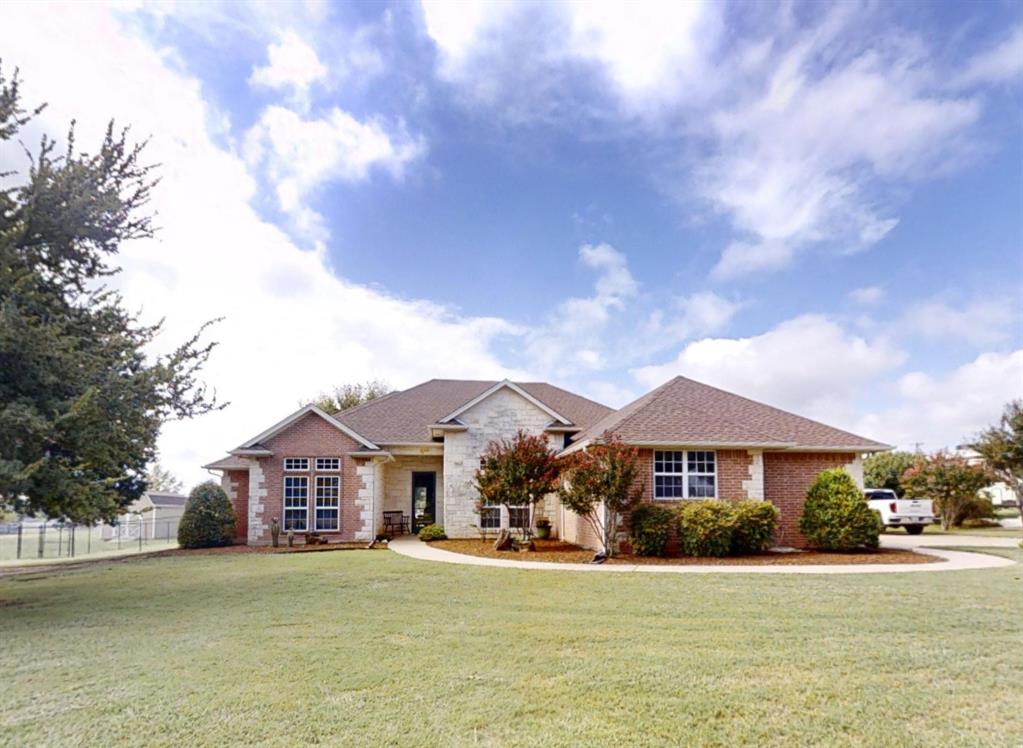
(999, 64)
(983, 321)
(808, 364)
(292, 64)
(574, 340)
(867, 295)
(798, 160)
(292, 327)
(299, 155)
(939, 412)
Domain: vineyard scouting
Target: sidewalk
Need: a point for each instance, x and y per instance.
(412, 547)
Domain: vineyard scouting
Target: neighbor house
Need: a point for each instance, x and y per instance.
(416, 451)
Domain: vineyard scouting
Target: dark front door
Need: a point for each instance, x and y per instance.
(424, 500)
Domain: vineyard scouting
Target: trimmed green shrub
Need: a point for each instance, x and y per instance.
(432, 532)
(754, 528)
(649, 528)
(208, 519)
(836, 516)
(705, 528)
(977, 508)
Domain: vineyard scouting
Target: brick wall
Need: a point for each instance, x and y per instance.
(733, 467)
(787, 478)
(236, 486)
(311, 437)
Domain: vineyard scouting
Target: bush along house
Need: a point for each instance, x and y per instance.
(415, 452)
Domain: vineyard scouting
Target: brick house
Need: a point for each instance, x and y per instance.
(416, 451)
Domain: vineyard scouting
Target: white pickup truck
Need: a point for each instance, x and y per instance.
(913, 514)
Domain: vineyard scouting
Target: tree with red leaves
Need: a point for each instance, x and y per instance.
(517, 473)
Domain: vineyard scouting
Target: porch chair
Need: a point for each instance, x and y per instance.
(393, 524)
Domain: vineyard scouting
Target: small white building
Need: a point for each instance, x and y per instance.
(1001, 494)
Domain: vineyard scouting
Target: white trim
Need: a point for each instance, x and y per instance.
(684, 475)
(318, 469)
(281, 425)
(514, 388)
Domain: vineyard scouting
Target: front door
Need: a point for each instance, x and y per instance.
(424, 500)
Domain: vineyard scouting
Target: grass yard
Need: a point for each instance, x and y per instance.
(980, 532)
(369, 648)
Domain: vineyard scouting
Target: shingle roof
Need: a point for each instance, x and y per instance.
(405, 416)
(159, 498)
(683, 411)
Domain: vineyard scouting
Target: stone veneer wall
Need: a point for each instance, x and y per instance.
(397, 484)
(497, 417)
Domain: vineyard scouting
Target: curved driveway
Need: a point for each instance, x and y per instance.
(954, 560)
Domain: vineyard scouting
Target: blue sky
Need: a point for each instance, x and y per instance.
(817, 206)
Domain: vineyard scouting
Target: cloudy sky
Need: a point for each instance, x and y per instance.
(820, 207)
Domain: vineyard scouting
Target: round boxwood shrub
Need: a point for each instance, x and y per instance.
(432, 532)
(208, 519)
(836, 516)
(649, 528)
(705, 528)
(755, 525)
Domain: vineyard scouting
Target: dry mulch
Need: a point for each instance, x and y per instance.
(566, 553)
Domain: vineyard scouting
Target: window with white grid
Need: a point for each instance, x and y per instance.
(328, 464)
(680, 474)
(328, 501)
(296, 463)
(296, 502)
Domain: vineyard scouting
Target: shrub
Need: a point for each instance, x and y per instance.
(208, 519)
(972, 510)
(705, 528)
(755, 525)
(649, 528)
(836, 516)
(431, 533)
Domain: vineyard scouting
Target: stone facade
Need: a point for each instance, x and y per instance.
(499, 416)
(397, 484)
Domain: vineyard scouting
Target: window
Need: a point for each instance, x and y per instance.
(296, 502)
(296, 463)
(685, 475)
(328, 495)
(490, 518)
(518, 517)
(328, 464)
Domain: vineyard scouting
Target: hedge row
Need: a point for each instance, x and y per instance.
(704, 528)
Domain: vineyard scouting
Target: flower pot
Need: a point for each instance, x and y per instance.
(543, 533)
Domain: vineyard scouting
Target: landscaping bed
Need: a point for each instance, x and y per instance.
(566, 553)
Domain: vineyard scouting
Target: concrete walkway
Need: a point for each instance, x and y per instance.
(412, 547)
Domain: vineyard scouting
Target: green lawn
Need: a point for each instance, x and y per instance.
(980, 532)
(369, 648)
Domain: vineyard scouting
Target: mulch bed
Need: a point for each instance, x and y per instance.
(566, 553)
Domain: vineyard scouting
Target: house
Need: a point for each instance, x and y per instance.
(1000, 493)
(155, 514)
(416, 451)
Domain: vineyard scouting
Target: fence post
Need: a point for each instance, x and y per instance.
(73, 528)
(60, 540)
(42, 539)
(20, 525)
(142, 531)
(89, 544)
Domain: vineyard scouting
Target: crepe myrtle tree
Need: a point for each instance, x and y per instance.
(1001, 446)
(517, 473)
(949, 480)
(599, 484)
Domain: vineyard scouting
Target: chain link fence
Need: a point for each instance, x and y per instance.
(29, 540)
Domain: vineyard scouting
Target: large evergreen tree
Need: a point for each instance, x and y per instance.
(81, 398)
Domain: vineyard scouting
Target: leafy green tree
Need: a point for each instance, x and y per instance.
(160, 479)
(1001, 446)
(836, 516)
(347, 396)
(517, 473)
(950, 481)
(600, 486)
(208, 520)
(81, 399)
(885, 469)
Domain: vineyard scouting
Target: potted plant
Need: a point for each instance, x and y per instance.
(543, 528)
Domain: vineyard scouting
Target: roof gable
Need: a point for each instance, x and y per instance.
(504, 384)
(255, 443)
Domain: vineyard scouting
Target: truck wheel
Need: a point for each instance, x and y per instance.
(914, 529)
